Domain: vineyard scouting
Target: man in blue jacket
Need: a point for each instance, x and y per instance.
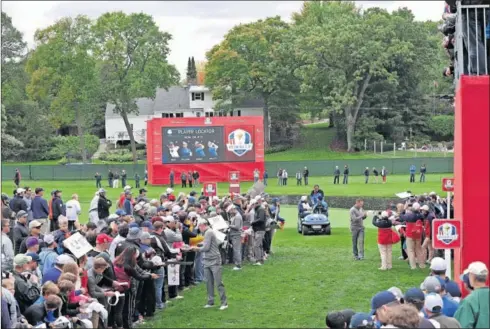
(40, 210)
(413, 169)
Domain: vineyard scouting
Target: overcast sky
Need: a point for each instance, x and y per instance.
(195, 26)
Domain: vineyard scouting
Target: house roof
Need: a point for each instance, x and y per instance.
(145, 106)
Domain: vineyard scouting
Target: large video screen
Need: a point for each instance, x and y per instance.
(207, 144)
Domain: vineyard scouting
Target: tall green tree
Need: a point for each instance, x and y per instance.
(189, 70)
(244, 65)
(64, 73)
(13, 48)
(134, 54)
(193, 68)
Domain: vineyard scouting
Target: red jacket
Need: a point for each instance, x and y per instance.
(385, 236)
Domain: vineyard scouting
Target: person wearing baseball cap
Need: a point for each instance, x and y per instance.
(416, 298)
(465, 278)
(435, 284)
(20, 230)
(380, 304)
(427, 217)
(146, 226)
(438, 268)
(34, 264)
(34, 231)
(26, 293)
(57, 209)
(48, 254)
(362, 320)
(127, 202)
(473, 310)
(433, 307)
(54, 273)
(40, 209)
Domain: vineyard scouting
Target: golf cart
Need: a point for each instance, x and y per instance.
(314, 223)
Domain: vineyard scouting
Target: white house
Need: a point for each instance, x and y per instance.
(177, 102)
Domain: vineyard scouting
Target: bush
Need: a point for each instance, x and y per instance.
(277, 149)
(442, 126)
(65, 146)
(63, 161)
(138, 147)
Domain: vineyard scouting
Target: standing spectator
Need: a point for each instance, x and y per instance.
(20, 230)
(357, 217)
(172, 178)
(128, 204)
(48, 254)
(183, 178)
(381, 304)
(196, 176)
(427, 217)
(473, 310)
(17, 178)
(236, 228)
(124, 177)
(7, 247)
(434, 284)
(146, 177)
(376, 174)
(416, 298)
(189, 178)
(413, 169)
(423, 170)
(93, 213)
(299, 178)
(433, 307)
(336, 175)
(110, 178)
(413, 232)
(73, 210)
(346, 175)
(35, 232)
(137, 180)
(212, 265)
(18, 203)
(28, 200)
(40, 210)
(279, 177)
(384, 173)
(366, 175)
(265, 176)
(103, 205)
(115, 183)
(385, 239)
(284, 177)
(258, 227)
(26, 289)
(98, 180)
(306, 174)
(57, 210)
(8, 213)
(256, 175)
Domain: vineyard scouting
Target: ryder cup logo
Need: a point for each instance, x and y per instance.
(447, 233)
(239, 142)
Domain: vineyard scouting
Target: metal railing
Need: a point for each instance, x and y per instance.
(472, 40)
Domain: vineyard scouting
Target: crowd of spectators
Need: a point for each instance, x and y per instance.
(143, 254)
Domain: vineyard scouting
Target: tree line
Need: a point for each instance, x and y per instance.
(373, 72)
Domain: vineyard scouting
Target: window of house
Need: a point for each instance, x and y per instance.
(231, 113)
(132, 128)
(164, 115)
(197, 96)
(198, 114)
(239, 113)
(209, 114)
(179, 115)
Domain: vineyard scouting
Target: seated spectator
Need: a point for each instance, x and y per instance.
(381, 304)
(26, 289)
(48, 289)
(54, 273)
(433, 307)
(362, 321)
(433, 284)
(473, 311)
(48, 254)
(416, 298)
(348, 314)
(401, 316)
(304, 208)
(67, 308)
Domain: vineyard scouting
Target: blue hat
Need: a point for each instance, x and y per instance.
(147, 224)
(120, 212)
(134, 224)
(453, 289)
(160, 209)
(380, 299)
(465, 278)
(34, 256)
(414, 294)
(361, 319)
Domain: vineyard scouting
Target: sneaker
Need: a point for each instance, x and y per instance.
(382, 269)
(208, 306)
(356, 258)
(186, 288)
(237, 268)
(223, 307)
(258, 264)
(179, 297)
(401, 258)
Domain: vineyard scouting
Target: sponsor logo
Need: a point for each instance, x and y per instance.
(207, 121)
(239, 142)
(447, 233)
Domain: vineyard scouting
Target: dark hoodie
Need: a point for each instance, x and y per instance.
(259, 219)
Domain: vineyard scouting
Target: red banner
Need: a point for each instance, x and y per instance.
(448, 184)
(446, 234)
(210, 189)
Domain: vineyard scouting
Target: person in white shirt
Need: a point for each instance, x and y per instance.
(284, 177)
(73, 209)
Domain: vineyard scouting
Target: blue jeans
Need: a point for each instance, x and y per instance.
(199, 268)
(159, 287)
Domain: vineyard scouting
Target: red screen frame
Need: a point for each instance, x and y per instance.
(158, 173)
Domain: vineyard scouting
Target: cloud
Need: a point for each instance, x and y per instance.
(196, 26)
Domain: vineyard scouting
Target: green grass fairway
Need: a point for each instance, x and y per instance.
(304, 279)
(356, 187)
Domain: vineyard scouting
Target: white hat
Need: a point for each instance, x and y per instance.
(425, 207)
(230, 208)
(175, 209)
(433, 303)
(127, 188)
(257, 198)
(192, 214)
(146, 206)
(202, 221)
(64, 259)
(432, 193)
(384, 214)
(169, 219)
(438, 264)
(113, 216)
(169, 190)
(215, 198)
(416, 206)
(253, 201)
(478, 268)
(20, 190)
(138, 207)
(304, 198)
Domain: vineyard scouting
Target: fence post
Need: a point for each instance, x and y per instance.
(365, 145)
(30, 173)
(415, 150)
(394, 149)
(381, 147)
(374, 147)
